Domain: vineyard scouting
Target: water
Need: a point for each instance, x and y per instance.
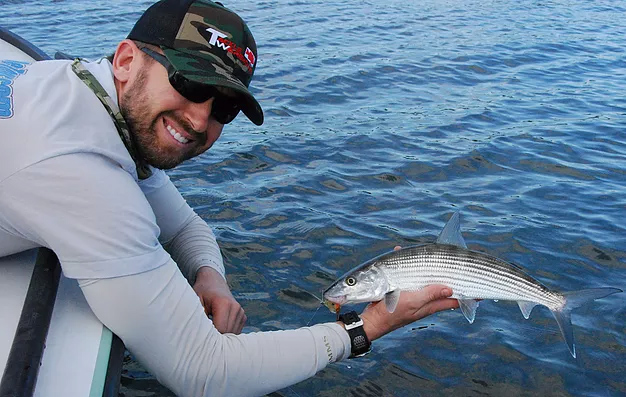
(382, 118)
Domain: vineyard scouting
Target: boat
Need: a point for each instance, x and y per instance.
(51, 343)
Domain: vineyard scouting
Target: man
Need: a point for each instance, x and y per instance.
(81, 172)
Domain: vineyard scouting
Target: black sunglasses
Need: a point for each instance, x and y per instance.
(224, 108)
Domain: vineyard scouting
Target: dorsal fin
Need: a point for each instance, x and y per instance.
(451, 233)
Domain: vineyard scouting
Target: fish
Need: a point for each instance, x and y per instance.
(472, 275)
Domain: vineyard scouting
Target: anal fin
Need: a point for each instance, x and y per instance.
(526, 307)
(468, 308)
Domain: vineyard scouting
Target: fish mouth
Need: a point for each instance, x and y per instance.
(334, 303)
(337, 300)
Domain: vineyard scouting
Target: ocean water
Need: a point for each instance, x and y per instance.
(383, 118)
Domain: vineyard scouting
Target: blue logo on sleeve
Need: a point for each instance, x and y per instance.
(9, 71)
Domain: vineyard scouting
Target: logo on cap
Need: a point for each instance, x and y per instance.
(250, 56)
(219, 39)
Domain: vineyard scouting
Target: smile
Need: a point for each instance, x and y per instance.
(176, 135)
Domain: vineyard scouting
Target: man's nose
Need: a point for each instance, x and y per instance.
(198, 114)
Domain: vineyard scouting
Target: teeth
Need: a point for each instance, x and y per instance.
(177, 135)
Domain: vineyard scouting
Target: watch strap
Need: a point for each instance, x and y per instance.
(358, 339)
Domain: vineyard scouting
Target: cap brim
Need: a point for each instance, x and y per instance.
(204, 71)
(252, 109)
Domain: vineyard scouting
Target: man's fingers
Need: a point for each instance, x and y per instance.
(440, 305)
(229, 319)
(223, 316)
(435, 291)
(235, 321)
(413, 305)
(240, 321)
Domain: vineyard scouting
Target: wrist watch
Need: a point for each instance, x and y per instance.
(358, 339)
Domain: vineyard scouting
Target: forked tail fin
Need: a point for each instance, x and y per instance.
(574, 299)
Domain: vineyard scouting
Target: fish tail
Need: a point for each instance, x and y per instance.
(574, 299)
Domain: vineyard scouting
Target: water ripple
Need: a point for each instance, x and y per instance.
(382, 118)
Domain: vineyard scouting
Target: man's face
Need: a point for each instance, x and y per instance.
(167, 127)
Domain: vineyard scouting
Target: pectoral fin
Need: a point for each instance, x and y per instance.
(391, 300)
(468, 307)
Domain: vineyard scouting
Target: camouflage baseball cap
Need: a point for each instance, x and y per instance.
(206, 43)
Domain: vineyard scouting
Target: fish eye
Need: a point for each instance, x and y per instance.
(350, 281)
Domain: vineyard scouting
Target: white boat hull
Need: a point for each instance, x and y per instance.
(78, 345)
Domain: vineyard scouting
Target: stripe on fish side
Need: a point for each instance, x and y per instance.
(466, 264)
(505, 286)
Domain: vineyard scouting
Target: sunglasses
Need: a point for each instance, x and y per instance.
(224, 108)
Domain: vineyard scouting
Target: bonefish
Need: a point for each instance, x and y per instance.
(471, 275)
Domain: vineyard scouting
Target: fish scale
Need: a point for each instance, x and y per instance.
(471, 275)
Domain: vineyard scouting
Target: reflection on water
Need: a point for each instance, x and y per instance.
(383, 118)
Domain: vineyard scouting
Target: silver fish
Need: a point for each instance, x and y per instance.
(472, 276)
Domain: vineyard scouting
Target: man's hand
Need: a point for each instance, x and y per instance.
(377, 321)
(218, 302)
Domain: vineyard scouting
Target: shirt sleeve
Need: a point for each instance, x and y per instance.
(188, 239)
(166, 329)
(97, 220)
(170, 209)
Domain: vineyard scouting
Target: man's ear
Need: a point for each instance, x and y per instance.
(125, 54)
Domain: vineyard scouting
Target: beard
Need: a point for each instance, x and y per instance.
(135, 108)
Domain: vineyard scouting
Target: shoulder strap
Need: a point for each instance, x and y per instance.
(143, 171)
